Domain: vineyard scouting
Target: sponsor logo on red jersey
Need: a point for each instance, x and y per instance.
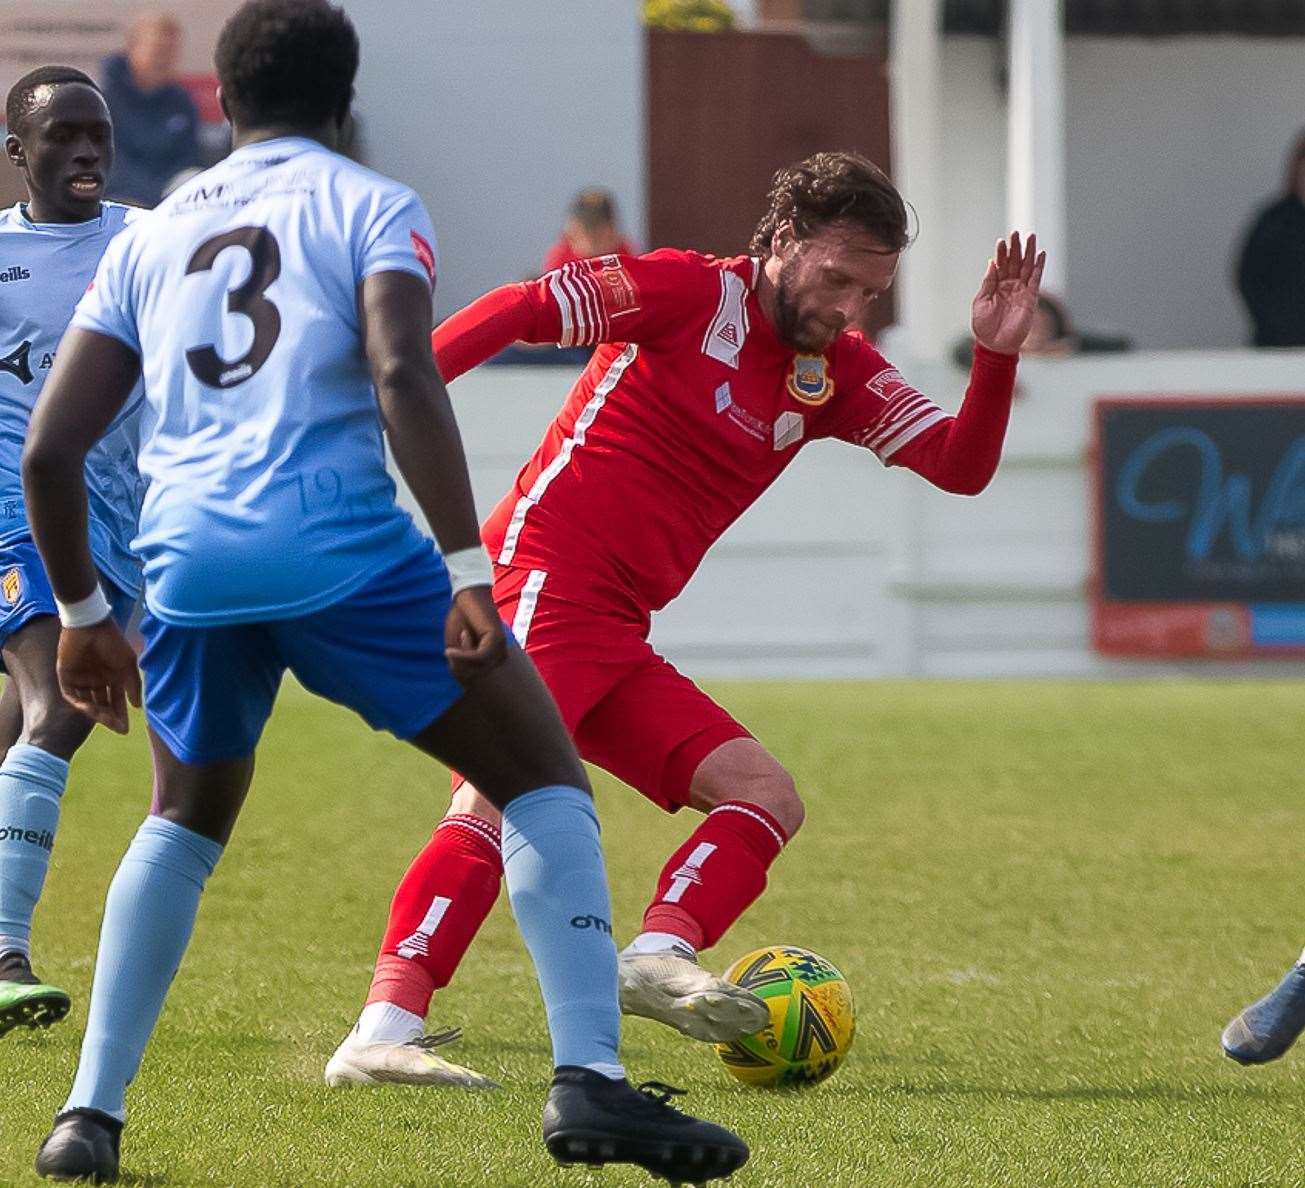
(809, 380)
(425, 253)
(789, 427)
(729, 328)
(752, 425)
(620, 294)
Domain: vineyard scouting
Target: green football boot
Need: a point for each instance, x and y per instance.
(26, 1001)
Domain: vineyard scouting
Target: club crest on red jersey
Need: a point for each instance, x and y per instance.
(809, 380)
(12, 586)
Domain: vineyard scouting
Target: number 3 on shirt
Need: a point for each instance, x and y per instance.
(248, 299)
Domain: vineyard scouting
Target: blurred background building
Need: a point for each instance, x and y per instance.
(1143, 139)
(1178, 116)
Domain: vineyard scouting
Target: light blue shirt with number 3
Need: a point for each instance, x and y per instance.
(261, 443)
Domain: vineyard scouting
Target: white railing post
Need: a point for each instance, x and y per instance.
(1035, 129)
(914, 72)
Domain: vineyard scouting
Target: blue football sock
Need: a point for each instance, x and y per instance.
(148, 918)
(553, 865)
(31, 783)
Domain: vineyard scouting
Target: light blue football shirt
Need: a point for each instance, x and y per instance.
(44, 270)
(261, 444)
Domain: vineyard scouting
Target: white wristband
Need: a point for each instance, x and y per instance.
(86, 612)
(469, 567)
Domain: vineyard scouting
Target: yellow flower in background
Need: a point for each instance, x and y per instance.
(694, 16)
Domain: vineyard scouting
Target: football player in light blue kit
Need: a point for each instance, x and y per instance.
(61, 139)
(279, 306)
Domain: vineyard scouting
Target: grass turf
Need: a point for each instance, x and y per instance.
(1048, 898)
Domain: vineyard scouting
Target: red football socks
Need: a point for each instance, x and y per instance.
(438, 907)
(711, 879)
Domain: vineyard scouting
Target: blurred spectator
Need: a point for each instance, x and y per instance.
(155, 124)
(590, 230)
(1271, 274)
(1052, 335)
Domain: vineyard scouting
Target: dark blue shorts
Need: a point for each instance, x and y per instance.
(25, 590)
(380, 651)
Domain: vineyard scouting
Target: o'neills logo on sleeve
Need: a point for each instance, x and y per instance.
(809, 380)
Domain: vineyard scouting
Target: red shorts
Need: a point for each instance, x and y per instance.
(629, 711)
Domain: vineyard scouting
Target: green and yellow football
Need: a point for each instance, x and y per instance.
(812, 1018)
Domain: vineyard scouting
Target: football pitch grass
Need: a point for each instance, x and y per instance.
(1048, 899)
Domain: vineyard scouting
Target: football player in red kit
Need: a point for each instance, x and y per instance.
(709, 376)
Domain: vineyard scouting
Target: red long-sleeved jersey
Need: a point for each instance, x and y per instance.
(689, 410)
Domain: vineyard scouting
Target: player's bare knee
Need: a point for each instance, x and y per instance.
(562, 773)
(744, 772)
(774, 791)
(53, 725)
(518, 776)
(778, 795)
(468, 802)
